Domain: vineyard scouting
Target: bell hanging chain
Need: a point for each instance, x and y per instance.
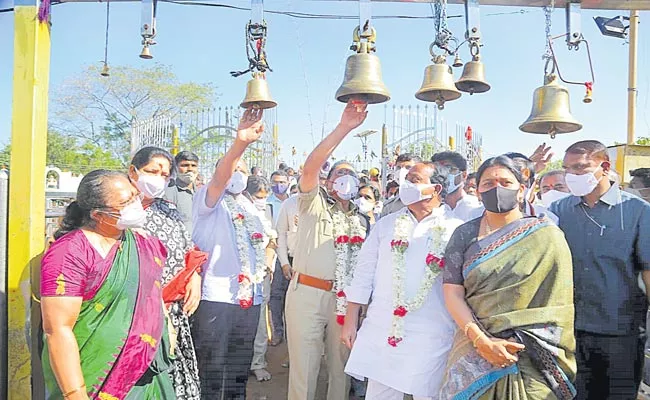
(443, 34)
(255, 49)
(548, 14)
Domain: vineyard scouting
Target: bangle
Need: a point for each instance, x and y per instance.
(476, 339)
(467, 325)
(74, 391)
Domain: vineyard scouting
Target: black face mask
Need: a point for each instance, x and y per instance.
(500, 200)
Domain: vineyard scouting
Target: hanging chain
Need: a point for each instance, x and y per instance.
(108, 14)
(443, 34)
(548, 14)
(255, 48)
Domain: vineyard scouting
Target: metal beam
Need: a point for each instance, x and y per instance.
(585, 4)
(26, 186)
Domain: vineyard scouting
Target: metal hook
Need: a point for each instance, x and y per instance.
(591, 66)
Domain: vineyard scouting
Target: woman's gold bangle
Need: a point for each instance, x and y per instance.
(480, 335)
(74, 391)
(467, 325)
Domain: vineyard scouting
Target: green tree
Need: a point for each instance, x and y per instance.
(101, 109)
(552, 166)
(643, 141)
(69, 154)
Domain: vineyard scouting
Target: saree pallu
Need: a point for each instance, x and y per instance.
(519, 284)
(120, 331)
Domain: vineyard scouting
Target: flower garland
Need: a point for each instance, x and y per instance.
(247, 232)
(434, 264)
(349, 235)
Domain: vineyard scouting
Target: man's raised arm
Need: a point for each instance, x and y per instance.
(353, 116)
(249, 130)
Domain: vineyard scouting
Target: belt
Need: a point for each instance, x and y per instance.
(314, 282)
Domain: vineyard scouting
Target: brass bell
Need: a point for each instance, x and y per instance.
(473, 78)
(146, 54)
(105, 72)
(551, 112)
(258, 95)
(438, 84)
(363, 80)
(458, 62)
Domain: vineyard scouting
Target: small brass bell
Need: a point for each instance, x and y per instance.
(458, 62)
(258, 95)
(105, 72)
(146, 54)
(438, 84)
(473, 78)
(363, 79)
(551, 112)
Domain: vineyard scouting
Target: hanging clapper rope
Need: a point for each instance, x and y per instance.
(255, 43)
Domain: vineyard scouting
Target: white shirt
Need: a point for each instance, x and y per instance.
(287, 229)
(467, 208)
(416, 366)
(214, 233)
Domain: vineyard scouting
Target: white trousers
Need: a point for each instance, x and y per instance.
(378, 391)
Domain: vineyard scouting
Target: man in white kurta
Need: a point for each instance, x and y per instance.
(416, 365)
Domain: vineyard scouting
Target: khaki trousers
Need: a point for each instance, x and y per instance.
(310, 315)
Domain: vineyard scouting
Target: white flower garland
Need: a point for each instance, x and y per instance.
(349, 235)
(247, 232)
(434, 263)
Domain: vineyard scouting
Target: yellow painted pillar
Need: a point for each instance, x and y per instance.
(26, 237)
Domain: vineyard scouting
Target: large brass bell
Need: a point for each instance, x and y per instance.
(258, 95)
(146, 54)
(438, 84)
(551, 112)
(473, 78)
(105, 71)
(363, 79)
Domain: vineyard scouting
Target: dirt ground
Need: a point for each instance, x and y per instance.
(276, 388)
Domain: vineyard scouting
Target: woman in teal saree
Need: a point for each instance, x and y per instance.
(105, 332)
(508, 284)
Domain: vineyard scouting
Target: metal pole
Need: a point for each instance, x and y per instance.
(4, 200)
(632, 77)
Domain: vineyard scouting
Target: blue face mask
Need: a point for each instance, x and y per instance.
(451, 183)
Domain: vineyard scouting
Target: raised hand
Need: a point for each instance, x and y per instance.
(251, 126)
(541, 157)
(354, 115)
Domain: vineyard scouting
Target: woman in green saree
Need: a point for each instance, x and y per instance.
(105, 334)
(508, 284)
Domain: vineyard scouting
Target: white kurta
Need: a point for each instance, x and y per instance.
(416, 366)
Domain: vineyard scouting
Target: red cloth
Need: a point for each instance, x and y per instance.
(175, 289)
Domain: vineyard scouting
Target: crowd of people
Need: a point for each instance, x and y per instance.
(511, 282)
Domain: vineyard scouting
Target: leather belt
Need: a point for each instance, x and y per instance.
(314, 282)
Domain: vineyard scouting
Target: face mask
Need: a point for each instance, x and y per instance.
(187, 178)
(643, 193)
(451, 183)
(131, 216)
(152, 186)
(553, 196)
(260, 204)
(401, 175)
(500, 200)
(280, 188)
(411, 193)
(582, 185)
(346, 187)
(237, 183)
(364, 205)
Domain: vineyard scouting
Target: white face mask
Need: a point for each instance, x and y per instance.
(186, 178)
(260, 204)
(132, 216)
(582, 185)
(401, 174)
(364, 205)
(151, 186)
(643, 193)
(411, 193)
(346, 187)
(451, 183)
(237, 183)
(553, 196)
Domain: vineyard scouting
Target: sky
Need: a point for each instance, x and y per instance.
(203, 44)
